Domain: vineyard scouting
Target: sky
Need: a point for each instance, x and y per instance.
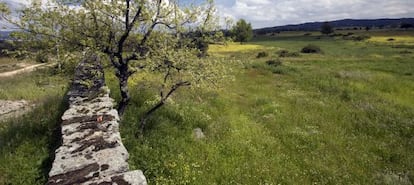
(268, 13)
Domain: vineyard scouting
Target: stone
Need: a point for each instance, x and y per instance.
(92, 151)
(198, 133)
(9, 109)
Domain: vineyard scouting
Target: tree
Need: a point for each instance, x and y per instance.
(326, 28)
(179, 67)
(406, 25)
(109, 26)
(242, 31)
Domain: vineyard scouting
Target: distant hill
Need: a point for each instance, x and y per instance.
(4, 35)
(345, 23)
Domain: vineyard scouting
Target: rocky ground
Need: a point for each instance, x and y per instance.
(13, 108)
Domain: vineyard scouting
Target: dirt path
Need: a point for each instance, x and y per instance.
(23, 70)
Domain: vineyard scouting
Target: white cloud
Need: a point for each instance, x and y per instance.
(265, 13)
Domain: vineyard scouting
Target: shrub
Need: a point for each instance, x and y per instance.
(311, 49)
(336, 35)
(349, 34)
(286, 53)
(42, 58)
(275, 66)
(391, 39)
(262, 54)
(361, 37)
(274, 62)
(356, 37)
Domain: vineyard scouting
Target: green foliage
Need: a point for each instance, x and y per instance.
(356, 37)
(274, 66)
(311, 49)
(173, 65)
(127, 32)
(242, 31)
(326, 28)
(262, 54)
(42, 58)
(275, 62)
(286, 53)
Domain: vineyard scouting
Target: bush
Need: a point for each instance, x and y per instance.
(262, 54)
(336, 35)
(286, 53)
(311, 49)
(275, 62)
(356, 37)
(361, 38)
(42, 58)
(349, 34)
(391, 39)
(275, 66)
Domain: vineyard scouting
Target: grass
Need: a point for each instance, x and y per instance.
(341, 117)
(35, 87)
(8, 64)
(27, 143)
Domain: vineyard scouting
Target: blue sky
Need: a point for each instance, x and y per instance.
(267, 13)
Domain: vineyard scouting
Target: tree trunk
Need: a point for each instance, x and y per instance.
(123, 87)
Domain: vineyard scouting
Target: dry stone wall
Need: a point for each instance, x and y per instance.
(91, 152)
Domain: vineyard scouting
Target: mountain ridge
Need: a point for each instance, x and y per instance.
(343, 23)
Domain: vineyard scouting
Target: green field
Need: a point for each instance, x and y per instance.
(344, 116)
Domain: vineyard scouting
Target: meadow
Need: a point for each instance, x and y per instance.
(343, 116)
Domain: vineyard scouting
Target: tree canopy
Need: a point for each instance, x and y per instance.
(242, 31)
(134, 35)
(326, 28)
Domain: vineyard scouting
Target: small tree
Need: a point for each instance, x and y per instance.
(326, 28)
(109, 27)
(242, 31)
(178, 67)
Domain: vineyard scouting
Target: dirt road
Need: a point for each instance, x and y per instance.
(23, 70)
